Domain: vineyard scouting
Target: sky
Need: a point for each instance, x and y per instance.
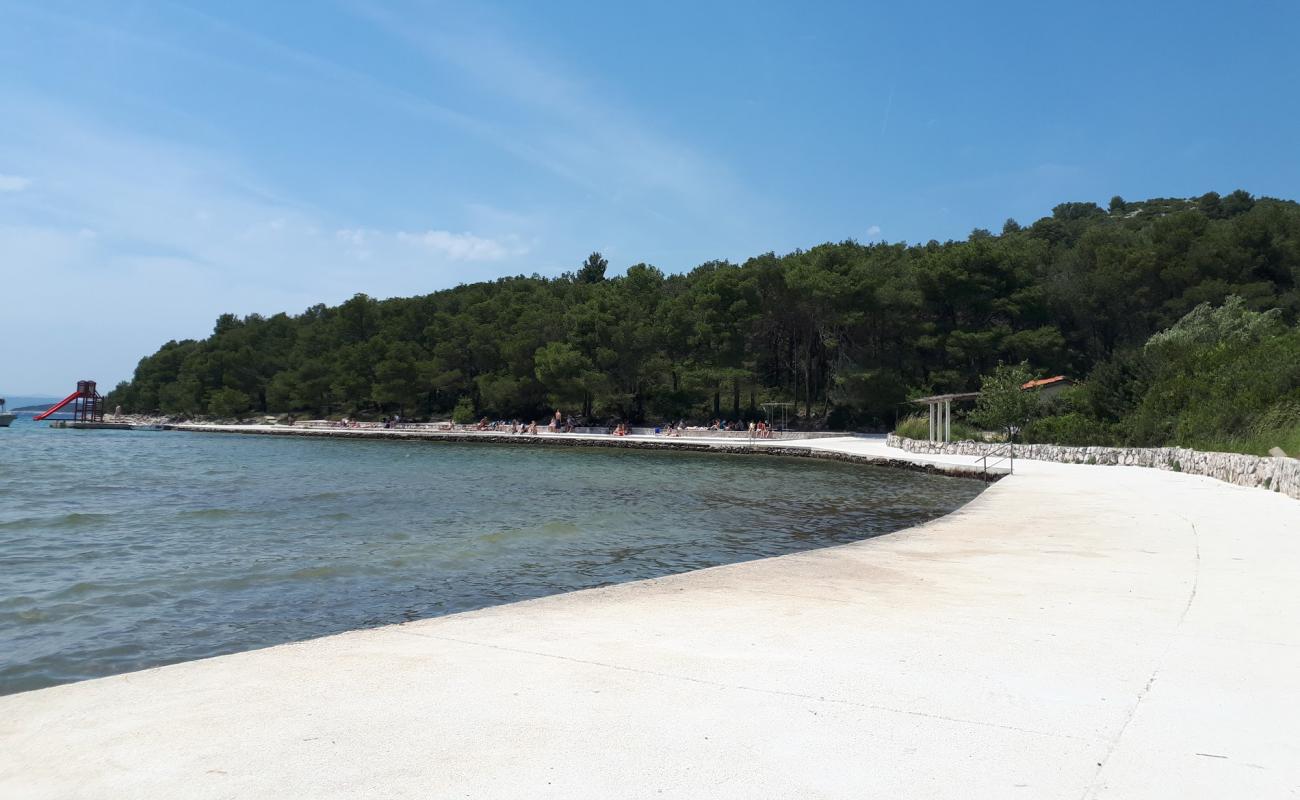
(164, 163)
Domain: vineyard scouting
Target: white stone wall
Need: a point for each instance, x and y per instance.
(1275, 474)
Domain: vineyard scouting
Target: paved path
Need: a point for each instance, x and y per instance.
(1074, 632)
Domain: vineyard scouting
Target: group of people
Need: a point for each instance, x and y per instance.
(558, 424)
(561, 424)
(759, 430)
(513, 426)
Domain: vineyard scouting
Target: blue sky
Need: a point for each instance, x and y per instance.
(162, 163)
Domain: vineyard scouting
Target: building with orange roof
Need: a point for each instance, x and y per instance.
(1049, 387)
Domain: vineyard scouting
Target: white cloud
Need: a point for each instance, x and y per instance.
(354, 243)
(873, 232)
(459, 246)
(13, 183)
(144, 261)
(363, 243)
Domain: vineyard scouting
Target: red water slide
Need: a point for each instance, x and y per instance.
(61, 404)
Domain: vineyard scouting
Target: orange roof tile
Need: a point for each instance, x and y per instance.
(1045, 382)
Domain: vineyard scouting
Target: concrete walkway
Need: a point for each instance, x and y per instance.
(1074, 632)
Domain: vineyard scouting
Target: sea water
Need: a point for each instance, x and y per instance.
(122, 550)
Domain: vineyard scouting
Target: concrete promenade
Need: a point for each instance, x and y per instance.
(1074, 632)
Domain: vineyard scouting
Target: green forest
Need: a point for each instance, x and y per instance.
(1177, 316)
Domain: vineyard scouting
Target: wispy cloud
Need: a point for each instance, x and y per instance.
(460, 246)
(160, 236)
(574, 130)
(443, 246)
(143, 240)
(13, 183)
(589, 142)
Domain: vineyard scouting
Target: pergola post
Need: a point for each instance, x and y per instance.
(940, 411)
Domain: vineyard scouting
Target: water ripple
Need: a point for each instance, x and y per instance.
(188, 545)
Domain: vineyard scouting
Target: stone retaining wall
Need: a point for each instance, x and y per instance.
(1275, 474)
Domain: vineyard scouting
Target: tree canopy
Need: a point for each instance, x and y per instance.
(847, 331)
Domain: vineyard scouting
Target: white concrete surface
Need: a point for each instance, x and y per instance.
(1075, 632)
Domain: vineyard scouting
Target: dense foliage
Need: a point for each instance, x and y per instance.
(846, 331)
(1003, 404)
(1222, 378)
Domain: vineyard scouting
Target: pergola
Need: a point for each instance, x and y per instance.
(771, 410)
(940, 406)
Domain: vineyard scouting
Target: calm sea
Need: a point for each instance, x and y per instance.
(124, 550)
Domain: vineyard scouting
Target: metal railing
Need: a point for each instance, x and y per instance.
(1000, 454)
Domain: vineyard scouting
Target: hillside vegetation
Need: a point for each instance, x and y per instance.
(846, 331)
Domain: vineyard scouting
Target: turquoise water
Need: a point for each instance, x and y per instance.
(124, 550)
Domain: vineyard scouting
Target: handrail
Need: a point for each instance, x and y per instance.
(1005, 452)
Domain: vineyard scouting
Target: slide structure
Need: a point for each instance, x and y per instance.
(55, 408)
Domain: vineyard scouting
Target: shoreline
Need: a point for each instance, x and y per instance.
(1074, 631)
(794, 448)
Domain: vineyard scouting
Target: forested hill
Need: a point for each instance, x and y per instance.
(847, 331)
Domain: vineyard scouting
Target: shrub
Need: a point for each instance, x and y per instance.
(1002, 404)
(917, 426)
(1073, 429)
(1233, 395)
(463, 414)
(227, 402)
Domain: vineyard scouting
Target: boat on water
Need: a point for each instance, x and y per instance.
(5, 416)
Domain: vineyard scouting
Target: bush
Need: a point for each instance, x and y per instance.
(1002, 404)
(1072, 429)
(1232, 395)
(917, 426)
(463, 414)
(226, 402)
